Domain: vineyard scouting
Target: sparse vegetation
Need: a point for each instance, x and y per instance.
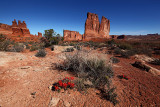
(110, 95)
(69, 50)
(51, 38)
(34, 47)
(114, 60)
(18, 47)
(87, 67)
(125, 46)
(41, 53)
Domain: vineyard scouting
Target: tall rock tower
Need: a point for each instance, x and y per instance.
(104, 27)
(94, 30)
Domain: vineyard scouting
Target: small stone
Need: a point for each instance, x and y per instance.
(50, 87)
(67, 104)
(88, 82)
(33, 93)
(62, 91)
(54, 101)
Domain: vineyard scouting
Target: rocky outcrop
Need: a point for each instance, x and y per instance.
(5, 27)
(94, 30)
(71, 35)
(20, 29)
(104, 27)
(142, 65)
(19, 32)
(39, 34)
(91, 26)
(113, 36)
(121, 37)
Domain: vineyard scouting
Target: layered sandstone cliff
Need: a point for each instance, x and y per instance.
(19, 32)
(94, 30)
(71, 35)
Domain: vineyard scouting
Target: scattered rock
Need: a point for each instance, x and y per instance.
(25, 67)
(34, 93)
(88, 82)
(67, 104)
(50, 87)
(144, 66)
(144, 58)
(54, 101)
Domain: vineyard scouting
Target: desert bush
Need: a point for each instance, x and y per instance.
(18, 47)
(145, 51)
(69, 50)
(114, 60)
(77, 47)
(94, 69)
(127, 54)
(71, 44)
(117, 50)
(89, 67)
(111, 42)
(2, 38)
(41, 53)
(80, 84)
(125, 46)
(5, 45)
(34, 47)
(111, 95)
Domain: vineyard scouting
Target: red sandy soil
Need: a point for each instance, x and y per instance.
(22, 74)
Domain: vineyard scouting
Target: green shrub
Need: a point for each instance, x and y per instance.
(114, 60)
(18, 47)
(4, 45)
(117, 50)
(77, 47)
(127, 54)
(111, 42)
(125, 46)
(111, 95)
(94, 69)
(41, 53)
(91, 68)
(34, 47)
(145, 51)
(80, 85)
(71, 44)
(69, 50)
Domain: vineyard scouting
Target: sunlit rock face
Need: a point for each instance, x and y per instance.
(94, 30)
(19, 32)
(71, 35)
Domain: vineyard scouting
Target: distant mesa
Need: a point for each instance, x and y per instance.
(94, 30)
(19, 32)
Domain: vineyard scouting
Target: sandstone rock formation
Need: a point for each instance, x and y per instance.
(19, 32)
(94, 31)
(92, 25)
(104, 27)
(71, 35)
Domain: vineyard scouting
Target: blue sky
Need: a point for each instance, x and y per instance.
(126, 16)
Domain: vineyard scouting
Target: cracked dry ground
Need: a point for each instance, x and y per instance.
(22, 74)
